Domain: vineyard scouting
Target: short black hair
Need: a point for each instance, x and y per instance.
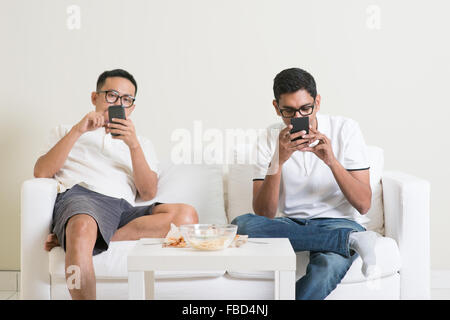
(116, 73)
(292, 80)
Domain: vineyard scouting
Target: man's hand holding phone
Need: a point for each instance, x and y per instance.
(323, 149)
(120, 127)
(124, 130)
(290, 142)
(298, 136)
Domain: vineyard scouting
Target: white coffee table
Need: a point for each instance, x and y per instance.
(147, 257)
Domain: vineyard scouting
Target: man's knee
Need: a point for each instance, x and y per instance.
(185, 214)
(242, 222)
(242, 218)
(81, 228)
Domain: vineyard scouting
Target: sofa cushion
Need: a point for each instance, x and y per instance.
(198, 185)
(388, 263)
(112, 264)
(240, 190)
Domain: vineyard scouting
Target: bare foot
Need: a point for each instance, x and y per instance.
(51, 242)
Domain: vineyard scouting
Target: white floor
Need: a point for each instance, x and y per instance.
(436, 294)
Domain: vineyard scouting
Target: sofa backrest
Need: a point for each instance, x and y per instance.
(239, 190)
(376, 212)
(199, 185)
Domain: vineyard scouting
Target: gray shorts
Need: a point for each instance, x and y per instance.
(109, 213)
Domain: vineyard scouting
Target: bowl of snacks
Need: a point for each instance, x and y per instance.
(208, 236)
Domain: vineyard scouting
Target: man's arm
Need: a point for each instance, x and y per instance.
(50, 163)
(265, 195)
(145, 179)
(355, 185)
(266, 192)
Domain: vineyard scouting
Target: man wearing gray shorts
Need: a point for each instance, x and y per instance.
(99, 176)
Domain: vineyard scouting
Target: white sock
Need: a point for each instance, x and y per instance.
(364, 244)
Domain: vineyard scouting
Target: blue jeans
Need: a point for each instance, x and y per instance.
(325, 238)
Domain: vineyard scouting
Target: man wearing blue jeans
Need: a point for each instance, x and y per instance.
(320, 182)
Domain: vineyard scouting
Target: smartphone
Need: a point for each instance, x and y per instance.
(299, 124)
(116, 112)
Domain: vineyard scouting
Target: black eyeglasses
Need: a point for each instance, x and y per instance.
(289, 112)
(111, 96)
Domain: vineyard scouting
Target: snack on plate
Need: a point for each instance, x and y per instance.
(174, 239)
(239, 240)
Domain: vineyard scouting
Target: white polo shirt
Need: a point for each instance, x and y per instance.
(308, 188)
(100, 163)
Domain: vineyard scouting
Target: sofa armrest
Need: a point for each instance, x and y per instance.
(37, 202)
(407, 220)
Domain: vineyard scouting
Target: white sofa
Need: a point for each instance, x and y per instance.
(399, 213)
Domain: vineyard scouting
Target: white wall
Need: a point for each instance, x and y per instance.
(214, 61)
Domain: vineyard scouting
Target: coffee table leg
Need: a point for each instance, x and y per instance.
(149, 285)
(284, 285)
(141, 285)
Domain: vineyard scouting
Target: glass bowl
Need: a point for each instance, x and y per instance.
(208, 236)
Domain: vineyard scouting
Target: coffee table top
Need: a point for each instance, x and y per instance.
(267, 254)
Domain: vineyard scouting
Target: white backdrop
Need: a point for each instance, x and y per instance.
(383, 63)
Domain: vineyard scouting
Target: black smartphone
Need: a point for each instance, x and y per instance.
(116, 112)
(299, 124)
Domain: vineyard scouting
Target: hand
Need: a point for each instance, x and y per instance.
(93, 120)
(323, 149)
(287, 147)
(126, 130)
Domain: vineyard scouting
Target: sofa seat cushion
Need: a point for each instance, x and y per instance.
(388, 263)
(112, 264)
